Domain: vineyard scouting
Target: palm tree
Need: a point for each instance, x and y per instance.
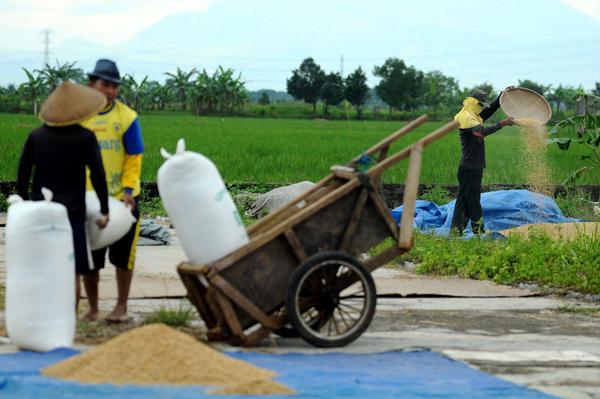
(154, 93)
(33, 88)
(561, 95)
(55, 76)
(197, 92)
(180, 81)
(212, 91)
(135, 90)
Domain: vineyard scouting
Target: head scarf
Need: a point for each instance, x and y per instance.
(468, 116)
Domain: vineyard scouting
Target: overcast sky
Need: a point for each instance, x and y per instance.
(109, 22)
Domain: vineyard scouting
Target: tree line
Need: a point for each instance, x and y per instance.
(218, 92)
(401, 87)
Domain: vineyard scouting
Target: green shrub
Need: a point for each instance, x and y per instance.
(437, 193)
(178, 317)
(3, 204)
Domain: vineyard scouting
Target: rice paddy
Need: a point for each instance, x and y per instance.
(291, 150)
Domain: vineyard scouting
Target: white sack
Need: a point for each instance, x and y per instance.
(201, 209)
(118, 225)
(40, 274)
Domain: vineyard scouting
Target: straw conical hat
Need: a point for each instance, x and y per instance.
(70, 104)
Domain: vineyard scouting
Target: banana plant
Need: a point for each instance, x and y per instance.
(33, 88)
(54, 76)
(180, 81)
(588, 134)
(136, 90)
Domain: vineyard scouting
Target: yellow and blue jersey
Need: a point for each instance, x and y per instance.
(120, 140)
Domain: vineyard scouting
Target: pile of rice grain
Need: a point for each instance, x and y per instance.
(558, 232)
(534, 164)
(158, 354)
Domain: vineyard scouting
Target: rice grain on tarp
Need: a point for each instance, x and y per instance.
(557, 232)
(262, 387)
(158, 354)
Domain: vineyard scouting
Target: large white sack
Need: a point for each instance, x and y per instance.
(194, 195)
(118, 225)
(40, 274)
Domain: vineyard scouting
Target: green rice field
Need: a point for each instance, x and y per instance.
(292, 150)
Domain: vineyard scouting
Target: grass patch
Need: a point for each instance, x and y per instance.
(576, 203)
(570, 309)
(294, 150)
(178, 317)
(152, 207)
(567, 265)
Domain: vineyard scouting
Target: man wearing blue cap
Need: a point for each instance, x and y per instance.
(120, 139)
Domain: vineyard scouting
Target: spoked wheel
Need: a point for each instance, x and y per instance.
(331, 299)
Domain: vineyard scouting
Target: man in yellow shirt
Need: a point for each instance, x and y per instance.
(120, 139)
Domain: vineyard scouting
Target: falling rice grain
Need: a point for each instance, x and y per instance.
(534, 164)
(557, 232)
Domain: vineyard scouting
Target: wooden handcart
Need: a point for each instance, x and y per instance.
(301, 267)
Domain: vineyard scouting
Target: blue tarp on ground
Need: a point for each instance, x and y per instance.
(501, 210)
(421, 374)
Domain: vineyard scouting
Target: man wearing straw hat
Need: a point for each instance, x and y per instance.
(61, 149)
(474, 112)
(120, 140)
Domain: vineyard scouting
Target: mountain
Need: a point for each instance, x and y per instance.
(497, 41)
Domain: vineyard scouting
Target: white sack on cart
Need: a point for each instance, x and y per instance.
(201, 209)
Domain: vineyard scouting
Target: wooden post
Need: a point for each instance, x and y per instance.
(411, 187)
(377, 179)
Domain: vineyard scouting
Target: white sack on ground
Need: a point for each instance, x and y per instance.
(120, 221)
(40, 274)
(278, 197)
(201, 209)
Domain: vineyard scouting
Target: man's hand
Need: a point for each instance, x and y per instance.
(128, 200)
(508, 121)
(509, 88)
(103, 222)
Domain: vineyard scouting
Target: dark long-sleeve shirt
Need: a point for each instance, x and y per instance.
(60, 155)
(471, 140)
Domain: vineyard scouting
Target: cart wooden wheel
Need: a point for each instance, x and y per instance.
(331, 299)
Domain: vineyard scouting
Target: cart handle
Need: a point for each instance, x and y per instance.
(411, 186)
(399, 156)
(391, 138)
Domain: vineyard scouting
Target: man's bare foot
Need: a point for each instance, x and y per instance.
(90, 316)
(118, 315)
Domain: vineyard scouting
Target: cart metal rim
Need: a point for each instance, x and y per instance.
(346, 309)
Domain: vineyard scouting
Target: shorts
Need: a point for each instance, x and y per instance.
(80, 244)
(121, 253)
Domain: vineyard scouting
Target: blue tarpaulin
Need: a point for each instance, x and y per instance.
(422, 374)
(501, 210)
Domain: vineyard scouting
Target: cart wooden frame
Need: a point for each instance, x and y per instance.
(242, 296)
